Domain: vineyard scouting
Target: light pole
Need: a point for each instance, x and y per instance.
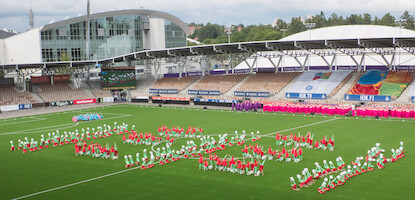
(309, 26)
(400, 22)
(229, 32)
(283, 30)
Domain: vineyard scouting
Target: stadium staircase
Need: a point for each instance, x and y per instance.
(404, 98)
(349, 84)
(235, 87)
(36, 97)
(184, 91)
(89, 93)
(142, 87)
(281, 94)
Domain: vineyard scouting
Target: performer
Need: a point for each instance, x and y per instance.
(127, 162)
(137, 157)
(200, 162)
(12, 145)
(322, 189)
(293, 184)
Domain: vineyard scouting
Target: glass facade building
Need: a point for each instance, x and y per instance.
(111, 34)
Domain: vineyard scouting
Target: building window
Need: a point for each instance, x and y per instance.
(76, 53)
(47, 55)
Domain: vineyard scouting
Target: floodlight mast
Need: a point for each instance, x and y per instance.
(283, 32)
(87, 31)
(229, 32)
(309, 26)
(400, 22)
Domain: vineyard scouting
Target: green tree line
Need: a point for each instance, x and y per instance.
(214, 33)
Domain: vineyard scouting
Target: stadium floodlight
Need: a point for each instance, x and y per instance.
(228, 31)
(283, 30)
(309, 26)
(400, 23)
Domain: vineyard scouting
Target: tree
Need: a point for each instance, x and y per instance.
(409, 20)
(354, 19)
(320, 20)
(367, 19)
(387, 20)
(65, 57)
(296, 25)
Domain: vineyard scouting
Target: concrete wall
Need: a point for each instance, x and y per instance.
(23, 48)
(157, 36)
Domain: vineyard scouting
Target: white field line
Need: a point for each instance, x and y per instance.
(126, 170)
(41, 129)
(47, 128)
(77, 183)
(31, 120)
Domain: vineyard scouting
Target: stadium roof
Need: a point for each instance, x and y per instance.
(164, 15)
(6, 34)
(351, 32)
(297, 42)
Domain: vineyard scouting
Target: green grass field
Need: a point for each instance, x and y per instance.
(56, 173)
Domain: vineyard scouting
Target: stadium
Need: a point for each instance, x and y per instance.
(133, 112)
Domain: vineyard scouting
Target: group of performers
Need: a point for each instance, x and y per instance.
(373, 155)
(384, 111)
(230, 164)
(246, 106)
(306, 178)
(161, 157)
(356, 168)
(177, 131)
(304, 141)
(306, 108)
(96, 150)
(139, 139)
(57, 139)
(87, 117)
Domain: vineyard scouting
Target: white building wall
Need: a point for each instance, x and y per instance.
(2, 52)
(157, 34)
(23, 48)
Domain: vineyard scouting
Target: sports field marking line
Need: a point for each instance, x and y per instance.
(43, 129)
(35, 130)
(31, 120)
(77, 183)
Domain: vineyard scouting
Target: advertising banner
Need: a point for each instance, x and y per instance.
(84, 101)
(251, 94)
(40, 79)
(305, 95)
(204, 92)
(108, 99)
(61, 78)
(356, 97)
(9, 108)
(163, 91)
(216, 100)
(25, 106)
(171, 98)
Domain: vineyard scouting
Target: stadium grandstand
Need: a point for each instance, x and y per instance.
(326, 65)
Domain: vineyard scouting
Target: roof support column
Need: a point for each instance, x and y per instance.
(204, 64)
(273, 64)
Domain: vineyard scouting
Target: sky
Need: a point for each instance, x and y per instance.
(14, 14)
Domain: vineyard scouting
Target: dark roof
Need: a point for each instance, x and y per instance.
(5, 34)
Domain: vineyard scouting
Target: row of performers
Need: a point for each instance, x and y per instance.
(177, 131)
(384, 112)
(304, 141)
(57, 139)
(255, 167)
(96, 150)
(307, 108)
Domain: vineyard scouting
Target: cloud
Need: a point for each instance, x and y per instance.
(200, 11)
